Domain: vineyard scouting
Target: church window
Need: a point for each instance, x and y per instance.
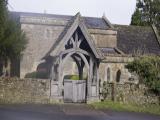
(118, 76)
(108, 74)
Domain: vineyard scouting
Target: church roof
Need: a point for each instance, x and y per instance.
(133, 39)
(130, 39)
(90, 22)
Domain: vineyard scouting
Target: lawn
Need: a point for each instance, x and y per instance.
(153, 109)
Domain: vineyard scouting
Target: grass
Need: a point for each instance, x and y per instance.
(73, 77)
(152, 109)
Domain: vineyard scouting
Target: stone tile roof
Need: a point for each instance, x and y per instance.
(98, 23)
(133, 39)
(91, 22)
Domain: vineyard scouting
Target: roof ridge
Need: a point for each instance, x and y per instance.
(132, 26)
(29, 13)
(51, 14)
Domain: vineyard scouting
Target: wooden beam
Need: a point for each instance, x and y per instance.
(73, 42)
(78, 50)
(76, 39)
(79, 42)
(89, 39)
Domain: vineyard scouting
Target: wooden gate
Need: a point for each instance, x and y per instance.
(75, 91)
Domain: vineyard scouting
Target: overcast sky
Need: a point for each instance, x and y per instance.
(117, 11)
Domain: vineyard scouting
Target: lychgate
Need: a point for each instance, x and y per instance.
(74, 45)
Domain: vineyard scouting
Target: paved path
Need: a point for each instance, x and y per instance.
(66, 112)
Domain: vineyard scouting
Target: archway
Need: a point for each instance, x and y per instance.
(74, 87)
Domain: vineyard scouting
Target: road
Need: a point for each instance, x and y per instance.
(66, 112)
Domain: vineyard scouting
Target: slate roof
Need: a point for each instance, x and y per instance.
(91, 22)
(131, 39)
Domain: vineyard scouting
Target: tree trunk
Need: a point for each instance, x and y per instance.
(113, 92)
(1, 67)
(6, 67)
(159, 97)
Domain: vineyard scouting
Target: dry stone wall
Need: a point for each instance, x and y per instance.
(131, 93)
(38, 91)
(15, 91)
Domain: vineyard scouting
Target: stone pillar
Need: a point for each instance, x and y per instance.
(60, 78)
(90, 79)
(97, 78)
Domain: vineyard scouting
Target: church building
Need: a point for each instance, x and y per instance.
(90, 49)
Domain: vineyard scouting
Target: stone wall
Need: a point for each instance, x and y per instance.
(131, 93)
(41, 34)
(23, 91)
(115, 64)
(15, 90)
(104, 38)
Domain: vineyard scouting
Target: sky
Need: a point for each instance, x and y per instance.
(117, 11)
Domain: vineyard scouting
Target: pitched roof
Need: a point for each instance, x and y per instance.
(90, 22)
(64, 32)
(131, 39)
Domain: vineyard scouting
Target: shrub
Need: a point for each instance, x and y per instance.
(31, 75)
(148, 69)
(40, 75)
(104, 90)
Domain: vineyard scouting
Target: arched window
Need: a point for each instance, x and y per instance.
(118, 76)
(108, 74)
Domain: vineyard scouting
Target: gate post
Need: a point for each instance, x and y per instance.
(60, 80)
(89, 86)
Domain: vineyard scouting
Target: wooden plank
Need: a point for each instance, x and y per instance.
(74, 91)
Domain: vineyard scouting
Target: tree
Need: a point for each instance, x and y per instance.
(147, 13)
(3, 17)
(12, 38)
(148, 69)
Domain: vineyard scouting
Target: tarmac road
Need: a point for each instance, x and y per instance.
(66, 112)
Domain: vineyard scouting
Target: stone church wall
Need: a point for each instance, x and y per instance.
(115, 64)
(41, 34)
(104, 38)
